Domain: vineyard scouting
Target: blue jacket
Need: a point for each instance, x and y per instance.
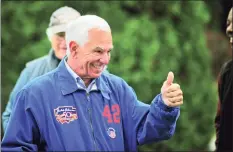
(53, 114)
(32, 70)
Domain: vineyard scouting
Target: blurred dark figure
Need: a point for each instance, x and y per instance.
(223, 120)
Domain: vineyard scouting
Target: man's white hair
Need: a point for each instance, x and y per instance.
(78, 29)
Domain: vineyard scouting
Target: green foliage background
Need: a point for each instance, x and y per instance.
(150, 38)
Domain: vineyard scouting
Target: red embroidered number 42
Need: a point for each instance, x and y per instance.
(116, 113)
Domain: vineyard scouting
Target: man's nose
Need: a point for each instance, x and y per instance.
(105, 58)
(63, 42)
(229, 31)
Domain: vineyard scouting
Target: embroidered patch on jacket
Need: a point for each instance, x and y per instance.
(111, 132)
(65, 114)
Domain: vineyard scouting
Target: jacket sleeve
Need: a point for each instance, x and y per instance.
(22, 132)
(22, 80)
(158, 124)
(151, 123)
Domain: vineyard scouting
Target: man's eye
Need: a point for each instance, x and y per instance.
(98, 51)
(61, 34)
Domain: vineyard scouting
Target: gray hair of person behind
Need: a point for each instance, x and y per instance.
(78, 29)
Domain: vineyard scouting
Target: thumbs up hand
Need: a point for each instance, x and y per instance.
(172, 95)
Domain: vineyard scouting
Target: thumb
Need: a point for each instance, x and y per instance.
(170, 78)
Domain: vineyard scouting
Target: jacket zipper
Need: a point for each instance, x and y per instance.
(92, 129)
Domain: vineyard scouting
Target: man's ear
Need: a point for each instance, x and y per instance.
(73, 48)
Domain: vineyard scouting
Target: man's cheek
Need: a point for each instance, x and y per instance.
(85, 67)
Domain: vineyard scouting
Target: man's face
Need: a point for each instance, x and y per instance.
(59, 44)
(229, 28)
(92, 57)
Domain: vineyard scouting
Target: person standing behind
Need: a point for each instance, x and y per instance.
(223, 119)
(37, 67)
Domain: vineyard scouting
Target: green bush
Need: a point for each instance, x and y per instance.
(150, 39)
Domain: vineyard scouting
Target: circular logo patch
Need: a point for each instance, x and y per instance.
(111, 132)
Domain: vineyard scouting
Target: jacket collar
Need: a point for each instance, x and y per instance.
(68, 84)
(52, 59)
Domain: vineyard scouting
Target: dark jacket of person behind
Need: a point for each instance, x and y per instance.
(223, 120)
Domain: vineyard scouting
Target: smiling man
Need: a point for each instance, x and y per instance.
(78, 107)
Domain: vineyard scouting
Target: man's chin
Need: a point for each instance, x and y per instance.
(93, 76)
(60, 56)
(62, 52)
(96, 75)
